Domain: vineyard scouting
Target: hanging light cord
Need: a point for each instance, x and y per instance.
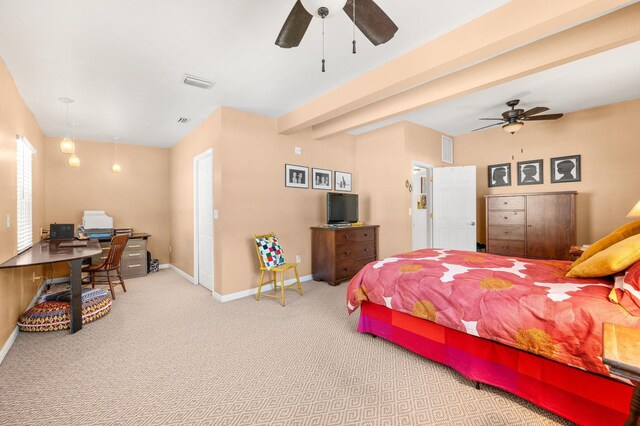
(116, 150)
(354, 26)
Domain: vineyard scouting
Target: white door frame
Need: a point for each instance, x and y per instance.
(423, 165)
(196, 234)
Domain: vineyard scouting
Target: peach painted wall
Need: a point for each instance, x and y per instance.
(384, 160)
(17, 288)
(250, 156)
(607, 138)
(138, 197)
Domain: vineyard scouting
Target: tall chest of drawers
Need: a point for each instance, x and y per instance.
(537, 225)
(339, 253)
(134, 258)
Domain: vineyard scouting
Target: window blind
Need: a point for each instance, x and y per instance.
(24, 220)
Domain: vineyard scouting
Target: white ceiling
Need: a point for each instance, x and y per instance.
(122, 60)
(609, 77)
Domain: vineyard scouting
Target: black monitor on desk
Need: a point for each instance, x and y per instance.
(61, 232)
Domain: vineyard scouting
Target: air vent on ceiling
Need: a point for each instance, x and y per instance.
(183, 120)
(447, 150)
(197, 82)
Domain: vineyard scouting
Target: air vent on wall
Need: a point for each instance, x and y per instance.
(197, 81)
(447, 150)
(183, 120)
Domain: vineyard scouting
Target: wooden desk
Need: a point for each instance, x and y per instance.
(45, 252)
(621, 352)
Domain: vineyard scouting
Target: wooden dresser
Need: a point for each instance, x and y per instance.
(134, 259)
(339, 253)
(538, 225)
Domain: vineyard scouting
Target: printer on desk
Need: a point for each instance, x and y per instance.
(97, 224)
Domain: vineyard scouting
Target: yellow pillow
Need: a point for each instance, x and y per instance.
(625, 231)
(614, 259)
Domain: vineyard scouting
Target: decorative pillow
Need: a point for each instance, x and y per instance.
(626, 291)
(614, 259)
(271, 252)
(65, 296)
(52, 316)
(622, 233)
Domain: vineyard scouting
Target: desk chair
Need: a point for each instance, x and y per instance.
(275, 264)
(112, 263)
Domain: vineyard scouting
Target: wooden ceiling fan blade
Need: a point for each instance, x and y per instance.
(294, 27)
(371, 21)
(486, 127)
(534, 111)
(543, 117)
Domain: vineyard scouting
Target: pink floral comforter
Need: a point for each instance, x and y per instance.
(525, 303)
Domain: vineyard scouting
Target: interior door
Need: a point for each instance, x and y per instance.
(420, 209)
(454, 208)
(204, 212)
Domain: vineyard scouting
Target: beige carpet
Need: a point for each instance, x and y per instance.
(169, 354)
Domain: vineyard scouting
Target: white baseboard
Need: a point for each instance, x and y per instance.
(254, 291)
(14, 334)
(164, 266)
(182, 273)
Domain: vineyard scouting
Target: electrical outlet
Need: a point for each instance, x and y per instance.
(169, 248)
(298, 258)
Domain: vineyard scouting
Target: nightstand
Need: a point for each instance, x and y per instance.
(621, 352)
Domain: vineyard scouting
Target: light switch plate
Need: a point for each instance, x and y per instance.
(215, 214)
(298, 150)
(8, 223)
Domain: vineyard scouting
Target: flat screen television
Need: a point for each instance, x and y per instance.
(342, 208)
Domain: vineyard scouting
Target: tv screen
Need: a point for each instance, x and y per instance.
(342, 208)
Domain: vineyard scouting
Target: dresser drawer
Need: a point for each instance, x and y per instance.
(133, 267)
(345, 270)
(506, 232)
(354, 235)
(511, 217)
(355, 251)
(506, 203)
(505, 247)
(135, 255)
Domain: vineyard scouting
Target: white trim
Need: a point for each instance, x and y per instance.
(14, 334)
(196, 235)
(181, 273)
(430, 167)
(254, 291)
(164, 266)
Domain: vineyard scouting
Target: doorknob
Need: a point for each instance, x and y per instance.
(472, 223)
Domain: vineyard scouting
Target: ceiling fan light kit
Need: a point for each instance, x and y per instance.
(331, 7)
(513, 119)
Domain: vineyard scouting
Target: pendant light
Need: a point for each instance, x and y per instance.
(116, 168)
(67, 146)
(74, 161)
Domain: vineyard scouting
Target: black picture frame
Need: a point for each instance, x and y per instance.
(566, 169)
(296, 176)
(494, 172)
(321, 179)
(342, 181)
(530, 172)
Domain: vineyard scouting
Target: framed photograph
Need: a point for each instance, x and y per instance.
(565, 169)
(499, 174)
(343, 181)
(321, 179)
(530, 172)
(296, 176)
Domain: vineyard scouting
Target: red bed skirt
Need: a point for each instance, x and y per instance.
(582, 397)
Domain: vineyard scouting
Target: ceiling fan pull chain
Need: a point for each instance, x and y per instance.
(323, 69)
(354, 27)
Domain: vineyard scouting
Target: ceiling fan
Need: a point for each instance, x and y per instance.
(368, 17)
(514, 119)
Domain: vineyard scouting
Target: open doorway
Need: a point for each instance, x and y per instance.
(421, 206)
(203, 219)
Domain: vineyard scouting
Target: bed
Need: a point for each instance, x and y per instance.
(517, 324)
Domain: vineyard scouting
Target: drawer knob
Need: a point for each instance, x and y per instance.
(366, 235)
(346, 253)
(346, 237)
(506, 218)
(346, 269)
(515, 213)
(366, 249)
